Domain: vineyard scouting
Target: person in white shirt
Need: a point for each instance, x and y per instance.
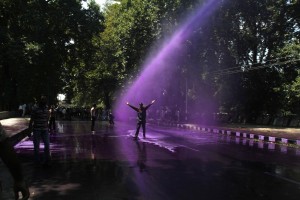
(93, 117)
(24, 110)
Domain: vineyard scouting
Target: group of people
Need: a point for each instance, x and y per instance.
(94, 114)
(42, 119)
(141, 117)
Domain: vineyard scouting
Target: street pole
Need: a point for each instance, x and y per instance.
(186, 98)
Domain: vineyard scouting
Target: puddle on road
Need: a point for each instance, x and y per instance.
(191, 139)
(258, 144)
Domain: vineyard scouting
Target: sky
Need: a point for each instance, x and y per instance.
(100, 2)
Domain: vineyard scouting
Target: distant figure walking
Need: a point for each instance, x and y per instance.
(93, 117)
(39, 125)
(111, 118)
(20, 110)
(141, 117)
(52, 114)
(24, 110)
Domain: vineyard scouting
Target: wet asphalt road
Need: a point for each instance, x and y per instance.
(169, 164)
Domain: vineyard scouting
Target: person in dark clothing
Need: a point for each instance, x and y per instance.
(39, 125)
(141, 117)
(111, 118)
(52, 114)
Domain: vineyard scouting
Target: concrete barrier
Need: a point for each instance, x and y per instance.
(7, 114)
(238, 134)
(261, 137)
(272, 139)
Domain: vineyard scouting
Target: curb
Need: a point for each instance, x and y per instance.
(18, 137)
(17, 129)
(243, 134)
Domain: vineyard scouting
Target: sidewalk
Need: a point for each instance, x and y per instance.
(16, 128)
(285, 135)
(272, 131)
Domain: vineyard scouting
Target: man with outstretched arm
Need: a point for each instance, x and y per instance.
(141, 117)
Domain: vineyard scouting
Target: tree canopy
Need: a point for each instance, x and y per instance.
(245, 58)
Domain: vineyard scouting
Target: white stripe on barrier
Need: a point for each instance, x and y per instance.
(272, 139)
(261, 137)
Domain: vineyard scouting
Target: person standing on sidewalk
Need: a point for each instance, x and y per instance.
(93, 117)
(39, 126)
(10, 159)
(141, 117)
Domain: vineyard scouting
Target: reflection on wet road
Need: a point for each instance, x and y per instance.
(168, 164)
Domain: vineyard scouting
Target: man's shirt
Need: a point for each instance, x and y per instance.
(40, 118)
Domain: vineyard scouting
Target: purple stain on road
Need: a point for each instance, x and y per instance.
(159, 78)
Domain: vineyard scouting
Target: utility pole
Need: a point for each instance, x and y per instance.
(186, 98)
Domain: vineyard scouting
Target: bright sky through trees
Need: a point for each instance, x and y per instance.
(100, 2)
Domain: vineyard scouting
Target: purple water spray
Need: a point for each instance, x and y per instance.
(159, 71)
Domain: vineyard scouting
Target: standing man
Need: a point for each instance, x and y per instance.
(39, 125)
(10, 159)
(93, 117)
(141, 117)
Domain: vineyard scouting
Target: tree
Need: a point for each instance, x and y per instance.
(38, 45)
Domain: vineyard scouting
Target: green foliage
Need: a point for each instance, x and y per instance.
(245, 51)
(39, 42)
